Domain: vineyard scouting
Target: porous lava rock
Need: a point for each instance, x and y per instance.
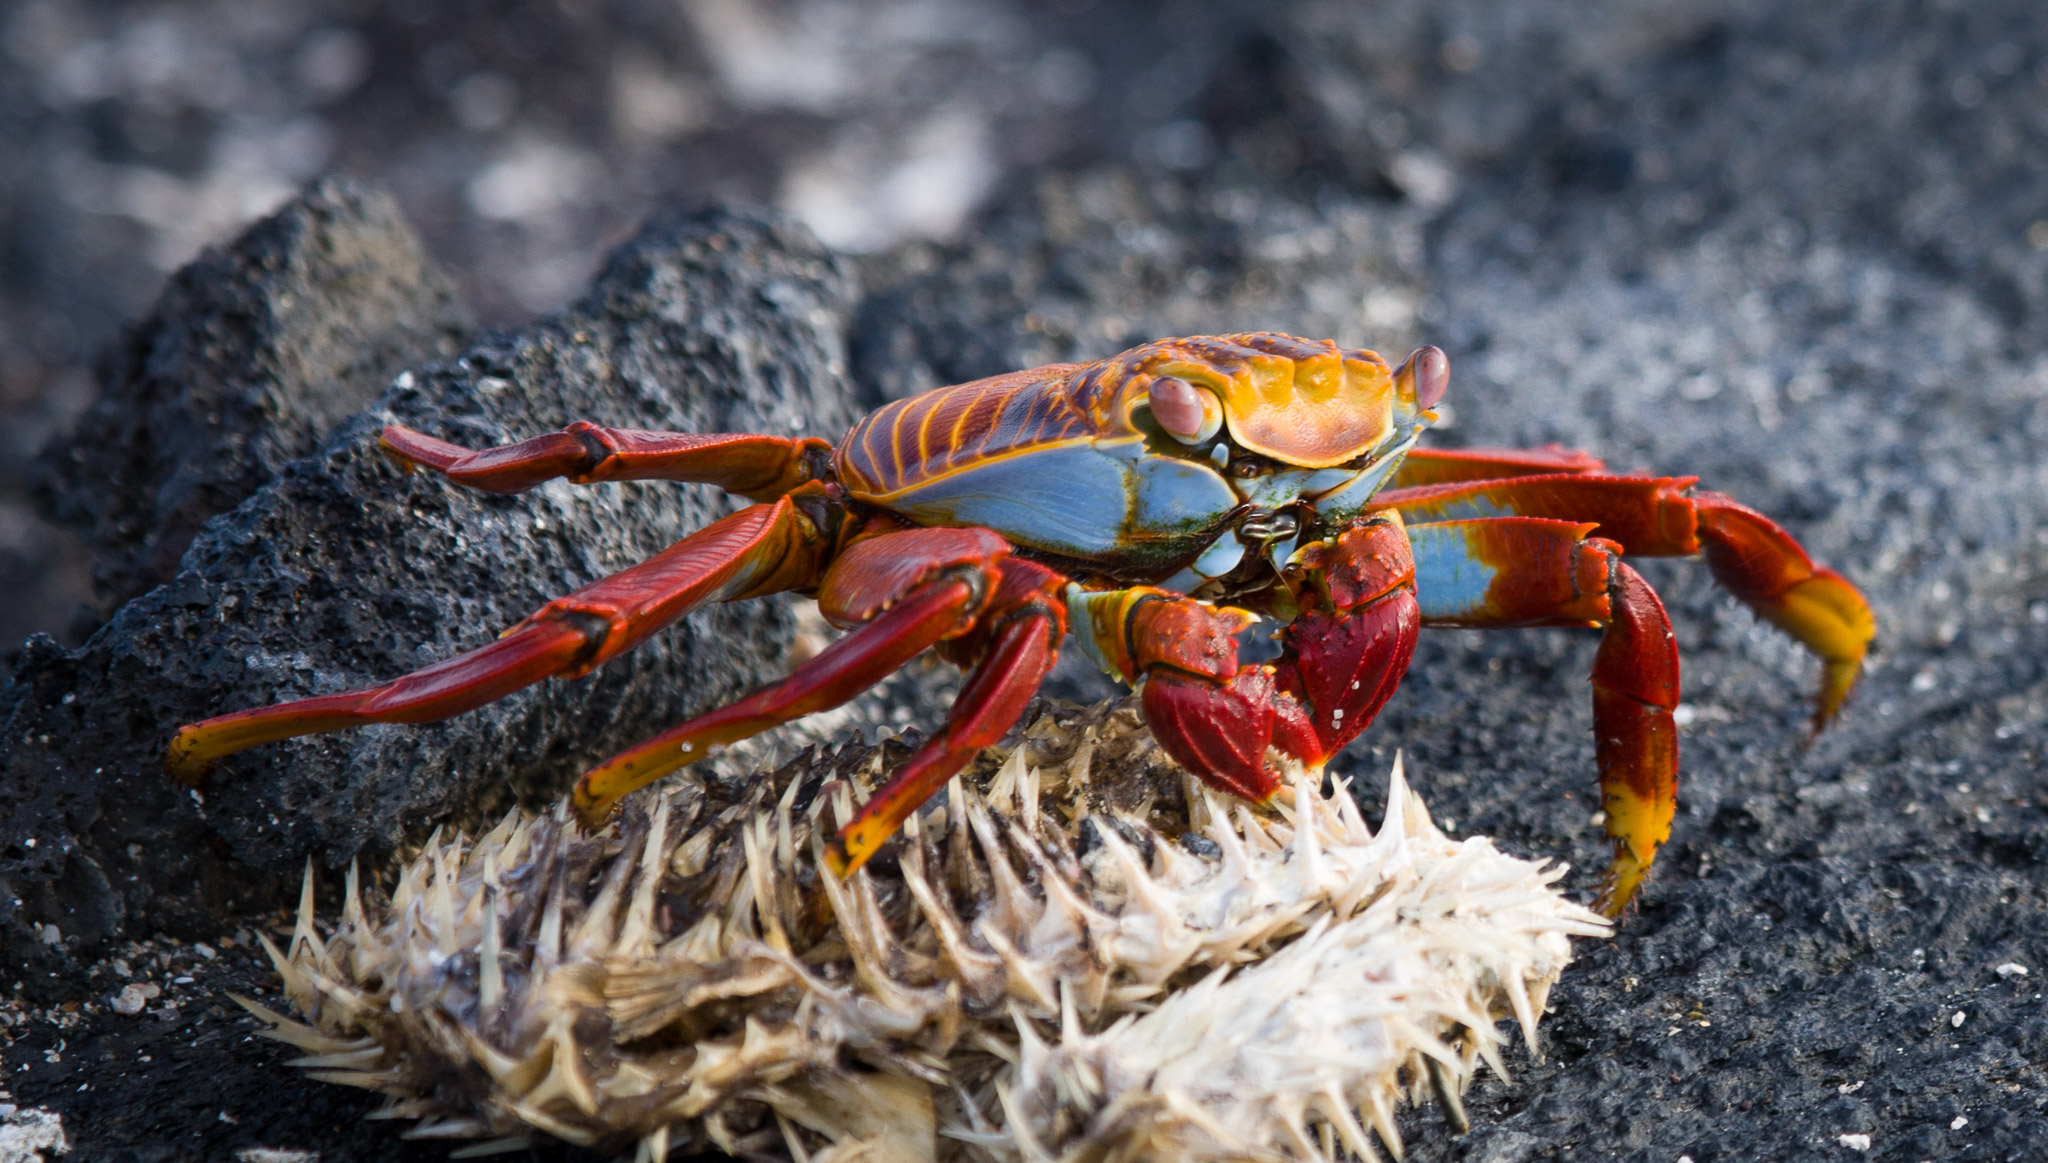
(254, 352)
(344, 570)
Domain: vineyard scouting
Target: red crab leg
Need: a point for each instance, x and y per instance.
(759, 468)
(1430, 466)
(1341, 658)
(1017, 642)
(1527, 571)
(1749, 554)
(760, 550)
(1763, 566)
(904, 591)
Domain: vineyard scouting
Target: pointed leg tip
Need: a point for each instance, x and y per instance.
(1624, 879)
(1838, 679)
(838, 861)
(592, 812)
(391, 443)
(181, 764)
(859, 841)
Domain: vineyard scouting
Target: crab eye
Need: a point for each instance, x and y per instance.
(1427, 373)
(1189, 414)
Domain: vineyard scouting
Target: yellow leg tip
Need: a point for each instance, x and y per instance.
(853, 847)
(591, 811)
(598, 793)
(1624, 877)
(836, 861)
(1833, 620)
(180, 761)
(1838, 677)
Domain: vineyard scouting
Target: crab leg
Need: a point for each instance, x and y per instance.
(903, 591)
(759, 468)
(1017, 641)
(1432, 466)
(1528, 571)
(1750, 555)
(762, 549)
(1757, 561)
(1647, 516)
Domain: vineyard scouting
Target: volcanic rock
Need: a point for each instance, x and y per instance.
(253, 354)
(344, 570)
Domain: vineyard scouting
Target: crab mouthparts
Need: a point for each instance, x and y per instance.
(1267, 525)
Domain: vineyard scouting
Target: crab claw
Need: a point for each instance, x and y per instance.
(1349, 648)
(1340, 660)
(1221, 730)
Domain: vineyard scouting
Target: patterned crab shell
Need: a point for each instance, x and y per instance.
(1122, 462)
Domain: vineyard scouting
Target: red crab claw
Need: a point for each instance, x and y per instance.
(1218, 721)
(1341, 658)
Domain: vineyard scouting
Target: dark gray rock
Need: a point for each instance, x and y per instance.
(345, 571)
(252, 354)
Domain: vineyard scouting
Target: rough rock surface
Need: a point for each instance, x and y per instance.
(1796, 249)
(251, 356)
(346, 571)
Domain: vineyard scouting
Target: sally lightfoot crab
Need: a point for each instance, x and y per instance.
(1158, 504)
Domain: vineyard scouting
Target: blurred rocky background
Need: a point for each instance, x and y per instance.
(1801, 250)
(522, 139)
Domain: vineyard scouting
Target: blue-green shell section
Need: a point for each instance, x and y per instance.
(1339, 505)
(1108, 501)
(1451, 582)
(1137, 514)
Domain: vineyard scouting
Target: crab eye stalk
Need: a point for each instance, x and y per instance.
(1425, 375)
(1187, 413)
